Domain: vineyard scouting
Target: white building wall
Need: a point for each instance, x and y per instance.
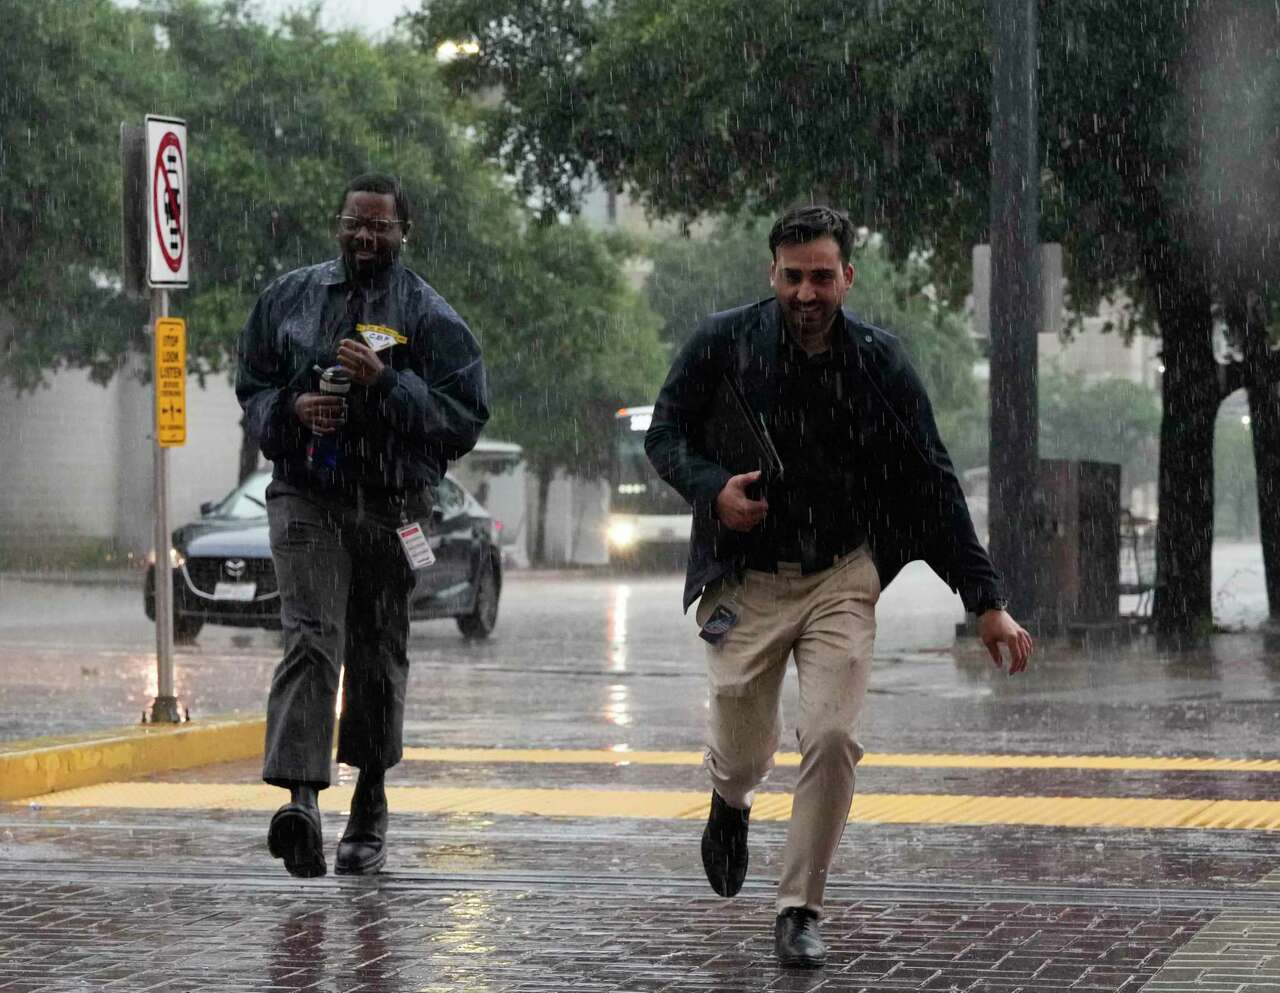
(82, 460)
(58, 446)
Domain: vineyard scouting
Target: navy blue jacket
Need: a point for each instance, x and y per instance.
(426, 408)
(917, 508)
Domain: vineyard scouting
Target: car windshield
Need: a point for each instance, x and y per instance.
(247, 501)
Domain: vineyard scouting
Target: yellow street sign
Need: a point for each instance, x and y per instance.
(170, 365)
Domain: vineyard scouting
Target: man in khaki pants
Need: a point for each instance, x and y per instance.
(791, 560)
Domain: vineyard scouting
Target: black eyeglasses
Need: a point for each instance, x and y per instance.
(350, 223)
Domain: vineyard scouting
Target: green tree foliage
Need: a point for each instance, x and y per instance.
(582, 342)
(1105, 420)
(693, 277)
(66, 81)
(725, 106)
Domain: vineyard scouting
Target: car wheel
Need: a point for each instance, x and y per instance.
(185, 629)
(484, 616)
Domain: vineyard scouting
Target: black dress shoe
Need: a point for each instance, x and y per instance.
(363, 848)
(294, 836)
(797, 941)
(724, 846)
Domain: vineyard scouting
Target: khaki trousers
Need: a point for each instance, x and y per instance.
(827, 621)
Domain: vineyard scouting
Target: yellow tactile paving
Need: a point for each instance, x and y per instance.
(1071, 811)
(919, 760)
(44, 764)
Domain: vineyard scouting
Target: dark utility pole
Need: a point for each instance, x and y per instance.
(1015, 299)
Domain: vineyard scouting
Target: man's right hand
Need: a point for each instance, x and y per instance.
(736, 510)
(319, 412)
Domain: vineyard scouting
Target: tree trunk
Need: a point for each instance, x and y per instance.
(1264, 423)
(248, 452)
(1190, 397)
(544, 472)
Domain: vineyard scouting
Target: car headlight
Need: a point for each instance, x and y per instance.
(176, 558)
(621, 534)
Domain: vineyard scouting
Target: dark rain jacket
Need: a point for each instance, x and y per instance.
(917, 508)
(426, 408)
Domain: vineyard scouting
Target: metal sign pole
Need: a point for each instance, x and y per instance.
(164, 710)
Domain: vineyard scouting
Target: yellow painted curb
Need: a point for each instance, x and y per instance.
(48, 765)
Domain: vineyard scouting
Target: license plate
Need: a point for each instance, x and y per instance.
(235, 591)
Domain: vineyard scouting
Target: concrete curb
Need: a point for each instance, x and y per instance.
(46, 765)
(78, 577)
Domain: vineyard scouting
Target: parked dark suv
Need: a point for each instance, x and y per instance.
(223, 574)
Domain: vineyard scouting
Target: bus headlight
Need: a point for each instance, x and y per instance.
(621, 534)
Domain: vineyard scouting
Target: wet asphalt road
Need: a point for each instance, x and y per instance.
(605, 661)
(172, 899)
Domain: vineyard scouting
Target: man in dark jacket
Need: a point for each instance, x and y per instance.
(791, 561)
(360, 383)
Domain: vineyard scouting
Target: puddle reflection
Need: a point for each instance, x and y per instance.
(297, 960)
(616, 628)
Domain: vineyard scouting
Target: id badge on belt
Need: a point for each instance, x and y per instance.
(721, 621)
(413, 539)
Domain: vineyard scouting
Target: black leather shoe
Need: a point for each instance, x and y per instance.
(797, 941)
(363, 848)
(294, 836)
(724, 846)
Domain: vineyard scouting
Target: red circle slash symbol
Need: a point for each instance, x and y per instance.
(167, 183)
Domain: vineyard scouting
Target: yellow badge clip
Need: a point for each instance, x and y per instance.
(379, 337)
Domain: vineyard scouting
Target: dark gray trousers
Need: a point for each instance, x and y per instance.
(344, 604)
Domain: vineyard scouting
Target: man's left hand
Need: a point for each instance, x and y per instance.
(996, 628)
(360, 360)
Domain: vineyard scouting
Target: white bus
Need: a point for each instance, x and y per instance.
(647, 518)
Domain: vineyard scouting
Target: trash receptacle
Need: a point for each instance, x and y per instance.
(1079, 576)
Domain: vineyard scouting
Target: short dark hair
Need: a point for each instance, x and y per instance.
(381, 182)
(801, 225)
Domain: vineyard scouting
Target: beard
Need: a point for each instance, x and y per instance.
(809, 323)
(378, 260)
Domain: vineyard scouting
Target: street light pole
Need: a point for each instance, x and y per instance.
(1015, 299)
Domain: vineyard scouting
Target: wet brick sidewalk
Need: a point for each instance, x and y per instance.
(172, 900)
(175, 901)
(179, 932)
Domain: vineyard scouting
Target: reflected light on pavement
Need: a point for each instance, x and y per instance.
(616, 628)
(618, 709)
(469, 915)
(148, 665)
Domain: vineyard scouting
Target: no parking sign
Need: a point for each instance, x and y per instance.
(168, 227)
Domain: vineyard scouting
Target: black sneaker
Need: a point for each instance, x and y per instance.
(797, 941)
(724, 846)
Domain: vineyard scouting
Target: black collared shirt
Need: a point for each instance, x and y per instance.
(817, 512)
